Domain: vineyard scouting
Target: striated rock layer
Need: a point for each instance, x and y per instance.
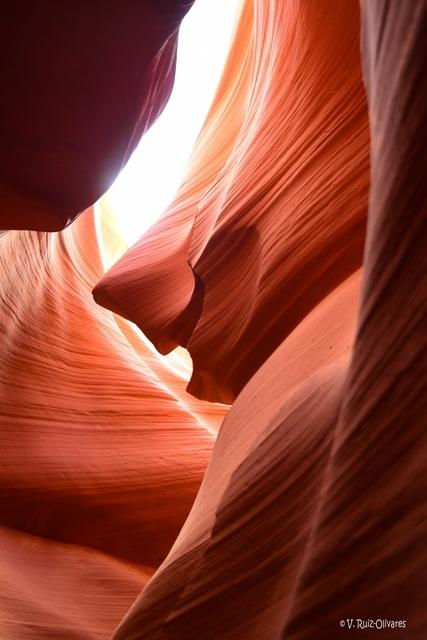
(231, 570)
(56, 591)
(100, 446)
(272, 215)
(311, 507)
(311, 510)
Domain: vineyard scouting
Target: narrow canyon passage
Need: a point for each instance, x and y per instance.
(213, 412)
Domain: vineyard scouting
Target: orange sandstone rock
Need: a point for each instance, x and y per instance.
(100, 446)
(311, 508)
(271, 217)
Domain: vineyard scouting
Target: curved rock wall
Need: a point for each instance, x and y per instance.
(310, 503)
(82, 82)
(276, 220)
(101, 449)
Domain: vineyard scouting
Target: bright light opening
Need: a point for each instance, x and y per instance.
(150, 180)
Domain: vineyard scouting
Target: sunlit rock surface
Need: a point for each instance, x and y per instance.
(248, 529)
(312, 324)
(272, 215)
(100, 446)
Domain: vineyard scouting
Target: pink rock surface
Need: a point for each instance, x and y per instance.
(122, 516)
(247, 532)
(51, 590)
(100, 446)
(271, 217)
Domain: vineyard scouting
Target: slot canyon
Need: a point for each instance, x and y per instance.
(218, 431)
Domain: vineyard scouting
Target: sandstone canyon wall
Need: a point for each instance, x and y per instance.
(292, 266)
(275, 215)
(80, 86)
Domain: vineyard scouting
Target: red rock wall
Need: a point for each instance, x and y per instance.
(82, 82)
(266, 228)
(311, 510)
(101, 449)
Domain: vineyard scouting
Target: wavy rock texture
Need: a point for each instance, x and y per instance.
(311, 507)
(248, 528)
(82, 84)
(88, 417)
(311, 510)
(272, 215)
(368, 551)
(52, 591)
